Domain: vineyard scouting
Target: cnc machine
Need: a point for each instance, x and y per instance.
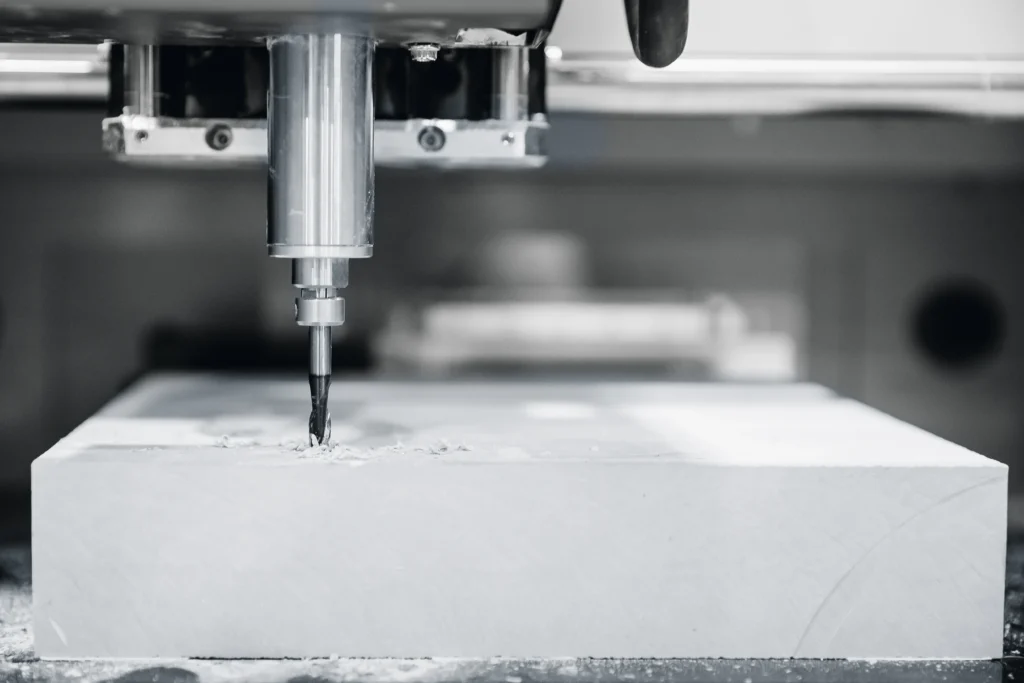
(307, 87)
(744, 248)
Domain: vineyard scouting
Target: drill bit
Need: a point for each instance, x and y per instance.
(319, 384)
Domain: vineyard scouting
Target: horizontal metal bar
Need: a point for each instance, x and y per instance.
(786, 86)
(695, 70)
(416, 142)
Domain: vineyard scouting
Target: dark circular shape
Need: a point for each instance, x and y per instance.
(219, 137)
(432, 139)
(141, 136)
(959, 324)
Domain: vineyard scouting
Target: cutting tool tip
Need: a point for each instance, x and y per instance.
(319, 417)
(319, 429)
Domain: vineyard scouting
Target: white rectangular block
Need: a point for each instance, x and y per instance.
(516, 520)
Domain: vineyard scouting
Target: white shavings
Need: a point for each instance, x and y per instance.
(339, 452)
(15, 643)
(355, 455)
(228, 441)
(443, 446)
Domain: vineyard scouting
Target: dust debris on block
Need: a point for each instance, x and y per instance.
(443, 446)
(340, 452)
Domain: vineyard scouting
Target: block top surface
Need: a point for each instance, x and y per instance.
(230, 420)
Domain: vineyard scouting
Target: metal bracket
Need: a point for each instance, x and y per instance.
(416, 142)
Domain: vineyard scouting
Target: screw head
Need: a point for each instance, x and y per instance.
(423, 52)
(219, 137)
(508, 138)
(431, 139)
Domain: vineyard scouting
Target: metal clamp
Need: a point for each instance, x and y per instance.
(311, 310)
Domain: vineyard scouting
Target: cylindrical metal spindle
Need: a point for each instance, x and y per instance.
(320, 194)
(320, 350)
(320, 119)
(310, 273)
(511, 98)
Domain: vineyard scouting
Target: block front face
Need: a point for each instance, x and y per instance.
(539, 521)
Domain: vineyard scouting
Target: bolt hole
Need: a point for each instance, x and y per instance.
(141, 136)
(959, 324)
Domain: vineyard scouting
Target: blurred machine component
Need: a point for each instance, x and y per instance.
(30, 72)
(793, 57)
(530, 304)
(708, 339)
(778, 85)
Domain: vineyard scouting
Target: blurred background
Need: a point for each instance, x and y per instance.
(824, 191)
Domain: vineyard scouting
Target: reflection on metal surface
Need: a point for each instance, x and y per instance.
(773, 85)
(72, 72)
(711, 338)
(417, 142)
(169, 22)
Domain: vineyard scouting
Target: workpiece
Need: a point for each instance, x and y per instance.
(192, 518)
